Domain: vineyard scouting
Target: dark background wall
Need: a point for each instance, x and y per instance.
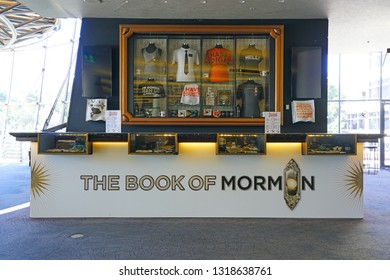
(297, 33)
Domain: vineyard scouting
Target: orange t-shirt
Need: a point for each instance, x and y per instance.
(219, 59)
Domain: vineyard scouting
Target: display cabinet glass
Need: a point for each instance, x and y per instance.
(64, 143)
(330, 144)
(153, 143)
(200, 74)
(241, 144)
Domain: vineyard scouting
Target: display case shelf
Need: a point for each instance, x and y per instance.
(330, 144)
(153, 143)
(241, 144)
(64, 143)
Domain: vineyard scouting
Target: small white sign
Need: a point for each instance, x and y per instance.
(303, 111)
(272, 122)
(113, 121)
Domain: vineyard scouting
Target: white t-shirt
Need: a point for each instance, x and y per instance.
(190, 95)
(179, 58)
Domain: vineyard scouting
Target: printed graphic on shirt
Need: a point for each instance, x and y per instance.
(250, 59)
(151, 88)
(185, 60)
(190, 95)
(250, 92)
(219, 59)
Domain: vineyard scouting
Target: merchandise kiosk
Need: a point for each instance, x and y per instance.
(173, 175)
(218, 80)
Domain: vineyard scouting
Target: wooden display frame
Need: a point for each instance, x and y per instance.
(129, 32)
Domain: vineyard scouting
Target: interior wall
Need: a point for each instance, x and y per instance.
(297, 33)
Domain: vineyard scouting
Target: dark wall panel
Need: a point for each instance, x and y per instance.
(298, 33)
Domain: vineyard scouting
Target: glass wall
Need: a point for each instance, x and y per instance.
(359, 96)
(354, 93)
(31, 79)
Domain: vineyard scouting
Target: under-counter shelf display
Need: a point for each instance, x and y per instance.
(330, 144)
(241, 144)
(153, 143)
(64, 143)
(200, 74)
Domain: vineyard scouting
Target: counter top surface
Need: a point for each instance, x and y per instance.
(191, 137)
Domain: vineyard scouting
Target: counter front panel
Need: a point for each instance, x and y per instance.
(197, 182)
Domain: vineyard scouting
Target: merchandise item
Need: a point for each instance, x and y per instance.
(185, 58)
(250, 59)
(250, 92)
(190, 94)
(152, 59)
(96, 110)
(210, 97)
(219, 59)
(152, 88)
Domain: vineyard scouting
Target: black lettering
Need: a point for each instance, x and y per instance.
(232, 181)
(310, 184)
(259, 182)
(272, 182)
(249, 184)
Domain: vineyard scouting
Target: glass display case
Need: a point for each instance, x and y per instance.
(330, 144)
(64, 143)
(241, 144)
(200, 74)
(153, 143)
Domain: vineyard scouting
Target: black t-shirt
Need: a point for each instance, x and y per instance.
(250, 92)
(151, 88)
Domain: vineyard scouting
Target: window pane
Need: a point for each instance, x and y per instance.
(359, 117)
(359, 76)
(333, 77)
(333, 117)
(386, 77)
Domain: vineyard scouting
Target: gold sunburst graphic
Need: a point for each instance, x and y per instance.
(354, 180)
(39, 180)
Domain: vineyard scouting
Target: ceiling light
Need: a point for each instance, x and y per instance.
(242, 1)
(203, 2)
(120, 5)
